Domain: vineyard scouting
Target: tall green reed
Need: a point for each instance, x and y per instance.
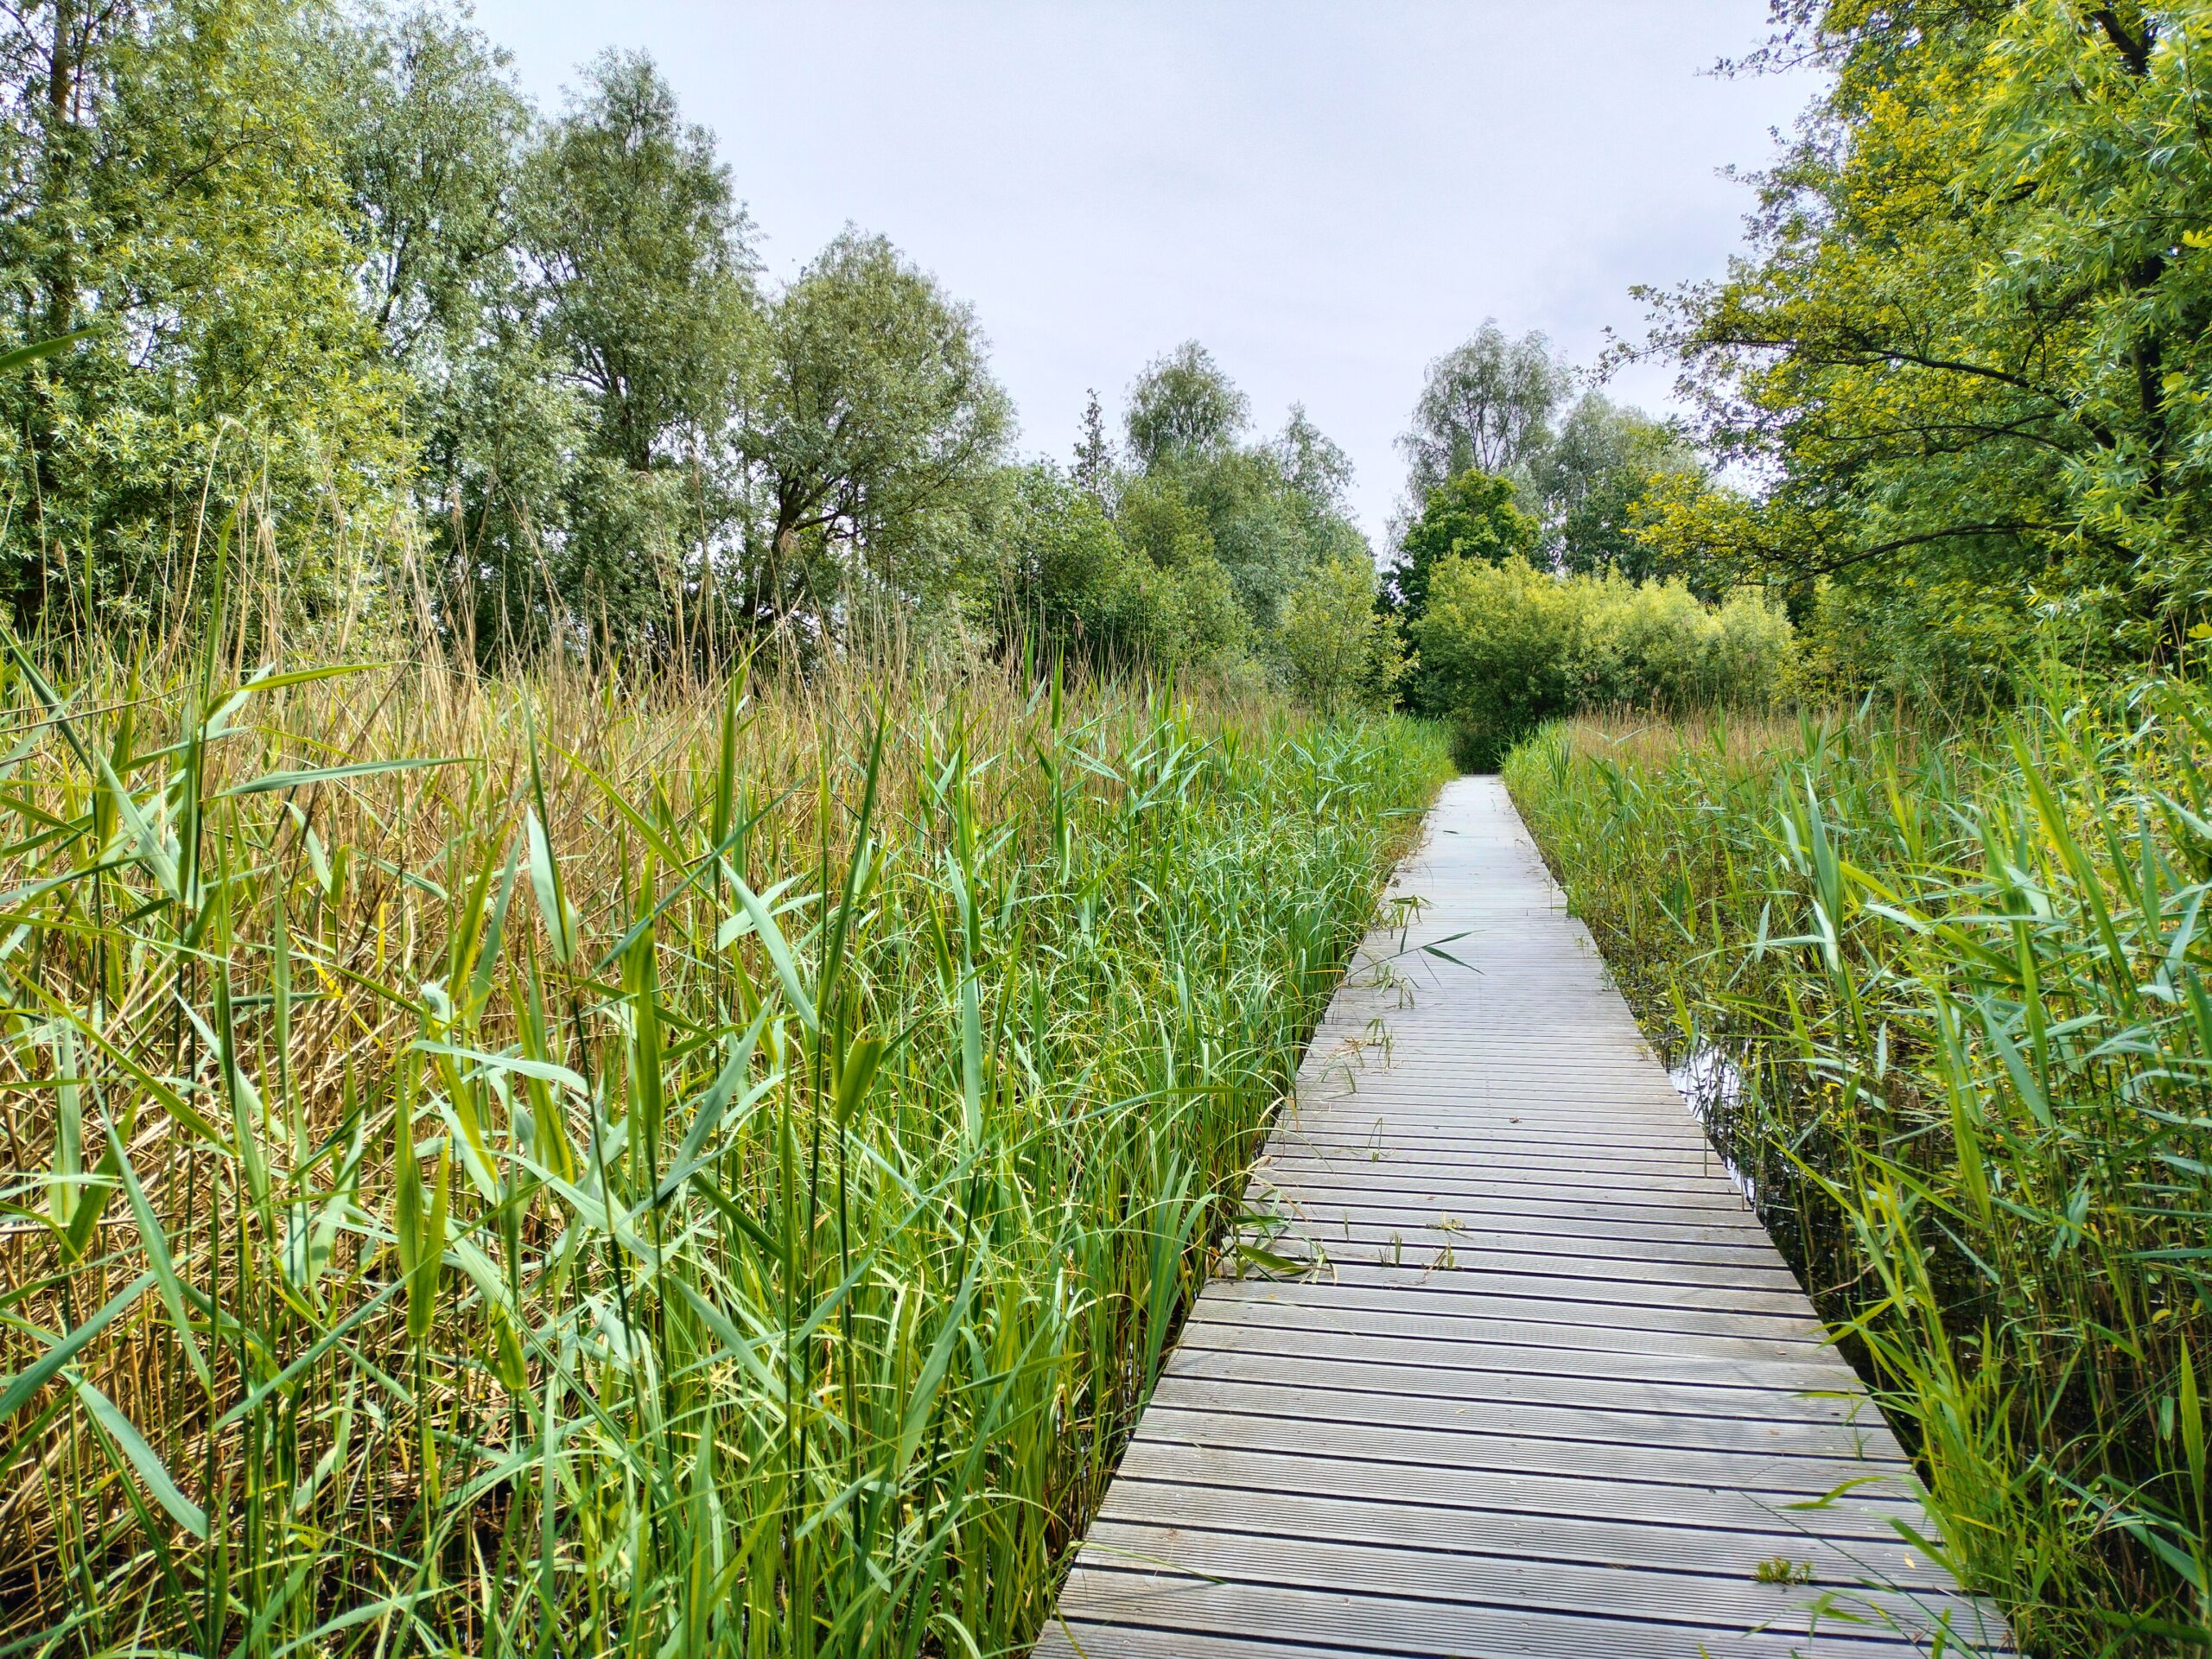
(575, 1166)
(1961, 975)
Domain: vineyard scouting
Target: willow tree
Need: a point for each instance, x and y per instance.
(873, 434)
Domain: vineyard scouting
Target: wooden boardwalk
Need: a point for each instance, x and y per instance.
(1548, 1388)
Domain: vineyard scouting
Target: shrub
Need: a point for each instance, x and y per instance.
(1505, 647)
(1493, 644)
(1074, 579)
(1339, 651)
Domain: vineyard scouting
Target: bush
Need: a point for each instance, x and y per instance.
(1494, 649)
(1074, 579)
(1505, 647)
(1339, 651)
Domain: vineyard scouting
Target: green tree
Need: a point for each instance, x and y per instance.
(1097, 470)
(1473, 516)
(1969, 347)
(874, 437)
(497, 469)
(167, 170)
(1495, 642)
(641, 272)
(1272, 511)
(1315, 477)
(1340, 648)
(1260, 533)
(1486, 405)
(432, 135)
(1593, 482)
(1182, 407)
(1158, 519)
(1074, 585)
(429, 129)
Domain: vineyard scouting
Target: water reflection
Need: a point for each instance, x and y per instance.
(1713, 1087)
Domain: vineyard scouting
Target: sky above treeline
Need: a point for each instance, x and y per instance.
(1327, 192)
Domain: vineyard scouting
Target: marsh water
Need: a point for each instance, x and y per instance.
(1711, 1086)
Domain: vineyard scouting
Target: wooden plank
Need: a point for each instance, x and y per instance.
(1545, 1388)
(1444, 1269)
(1404, 1625)
(1365, 1230)
(1656, 1122)
(1519, 1382)
(1513, 1137)
(1507, 1352)
(1617, 1431)
(1695, 1595)
(1503, 1109)
(1494, 1298)
(1635, 1468)
(1328, 1315)
(1478, 1204)
(1080, 1638)
(1670, 1189)
(1573, 1151)
(1860, 1521)
(1599, 1232)
(1517, 1529)
(1361, 1183)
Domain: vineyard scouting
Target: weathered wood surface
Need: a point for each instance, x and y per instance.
(1547, 1389)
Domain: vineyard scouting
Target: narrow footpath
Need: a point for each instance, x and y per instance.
(1547, 1388)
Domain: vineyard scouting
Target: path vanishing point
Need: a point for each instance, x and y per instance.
(1548, 1389)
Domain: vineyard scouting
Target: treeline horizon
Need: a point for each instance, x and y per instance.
(332, 286)
(328, 277)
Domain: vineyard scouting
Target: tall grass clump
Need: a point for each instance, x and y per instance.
(573, 1166)
(1961, 977)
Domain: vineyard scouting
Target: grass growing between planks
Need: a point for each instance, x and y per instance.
(1964, 977)
(566, 1168)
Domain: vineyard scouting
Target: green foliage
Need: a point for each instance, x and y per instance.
(1486, 406)
(1182, 407)
(1213, 534)
(639, 273)
(350, 276)
(1094, 469)
(642, 262)
(516, 382)
(1251, 520)
(1343, 649)
(634, 1166)
(876, 427)
(1264, 516)
(168, 173)
(1488, 475)
(1472, 515)
(1505, 647)
(1969, 347)
(1495, 642)
(429, 130)
(1079, 583)
(1595, 479)
(1960, 975)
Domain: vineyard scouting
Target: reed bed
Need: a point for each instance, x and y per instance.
(575, 1166)
(1959, 976)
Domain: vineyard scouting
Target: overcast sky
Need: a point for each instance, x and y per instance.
(1327, 192)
